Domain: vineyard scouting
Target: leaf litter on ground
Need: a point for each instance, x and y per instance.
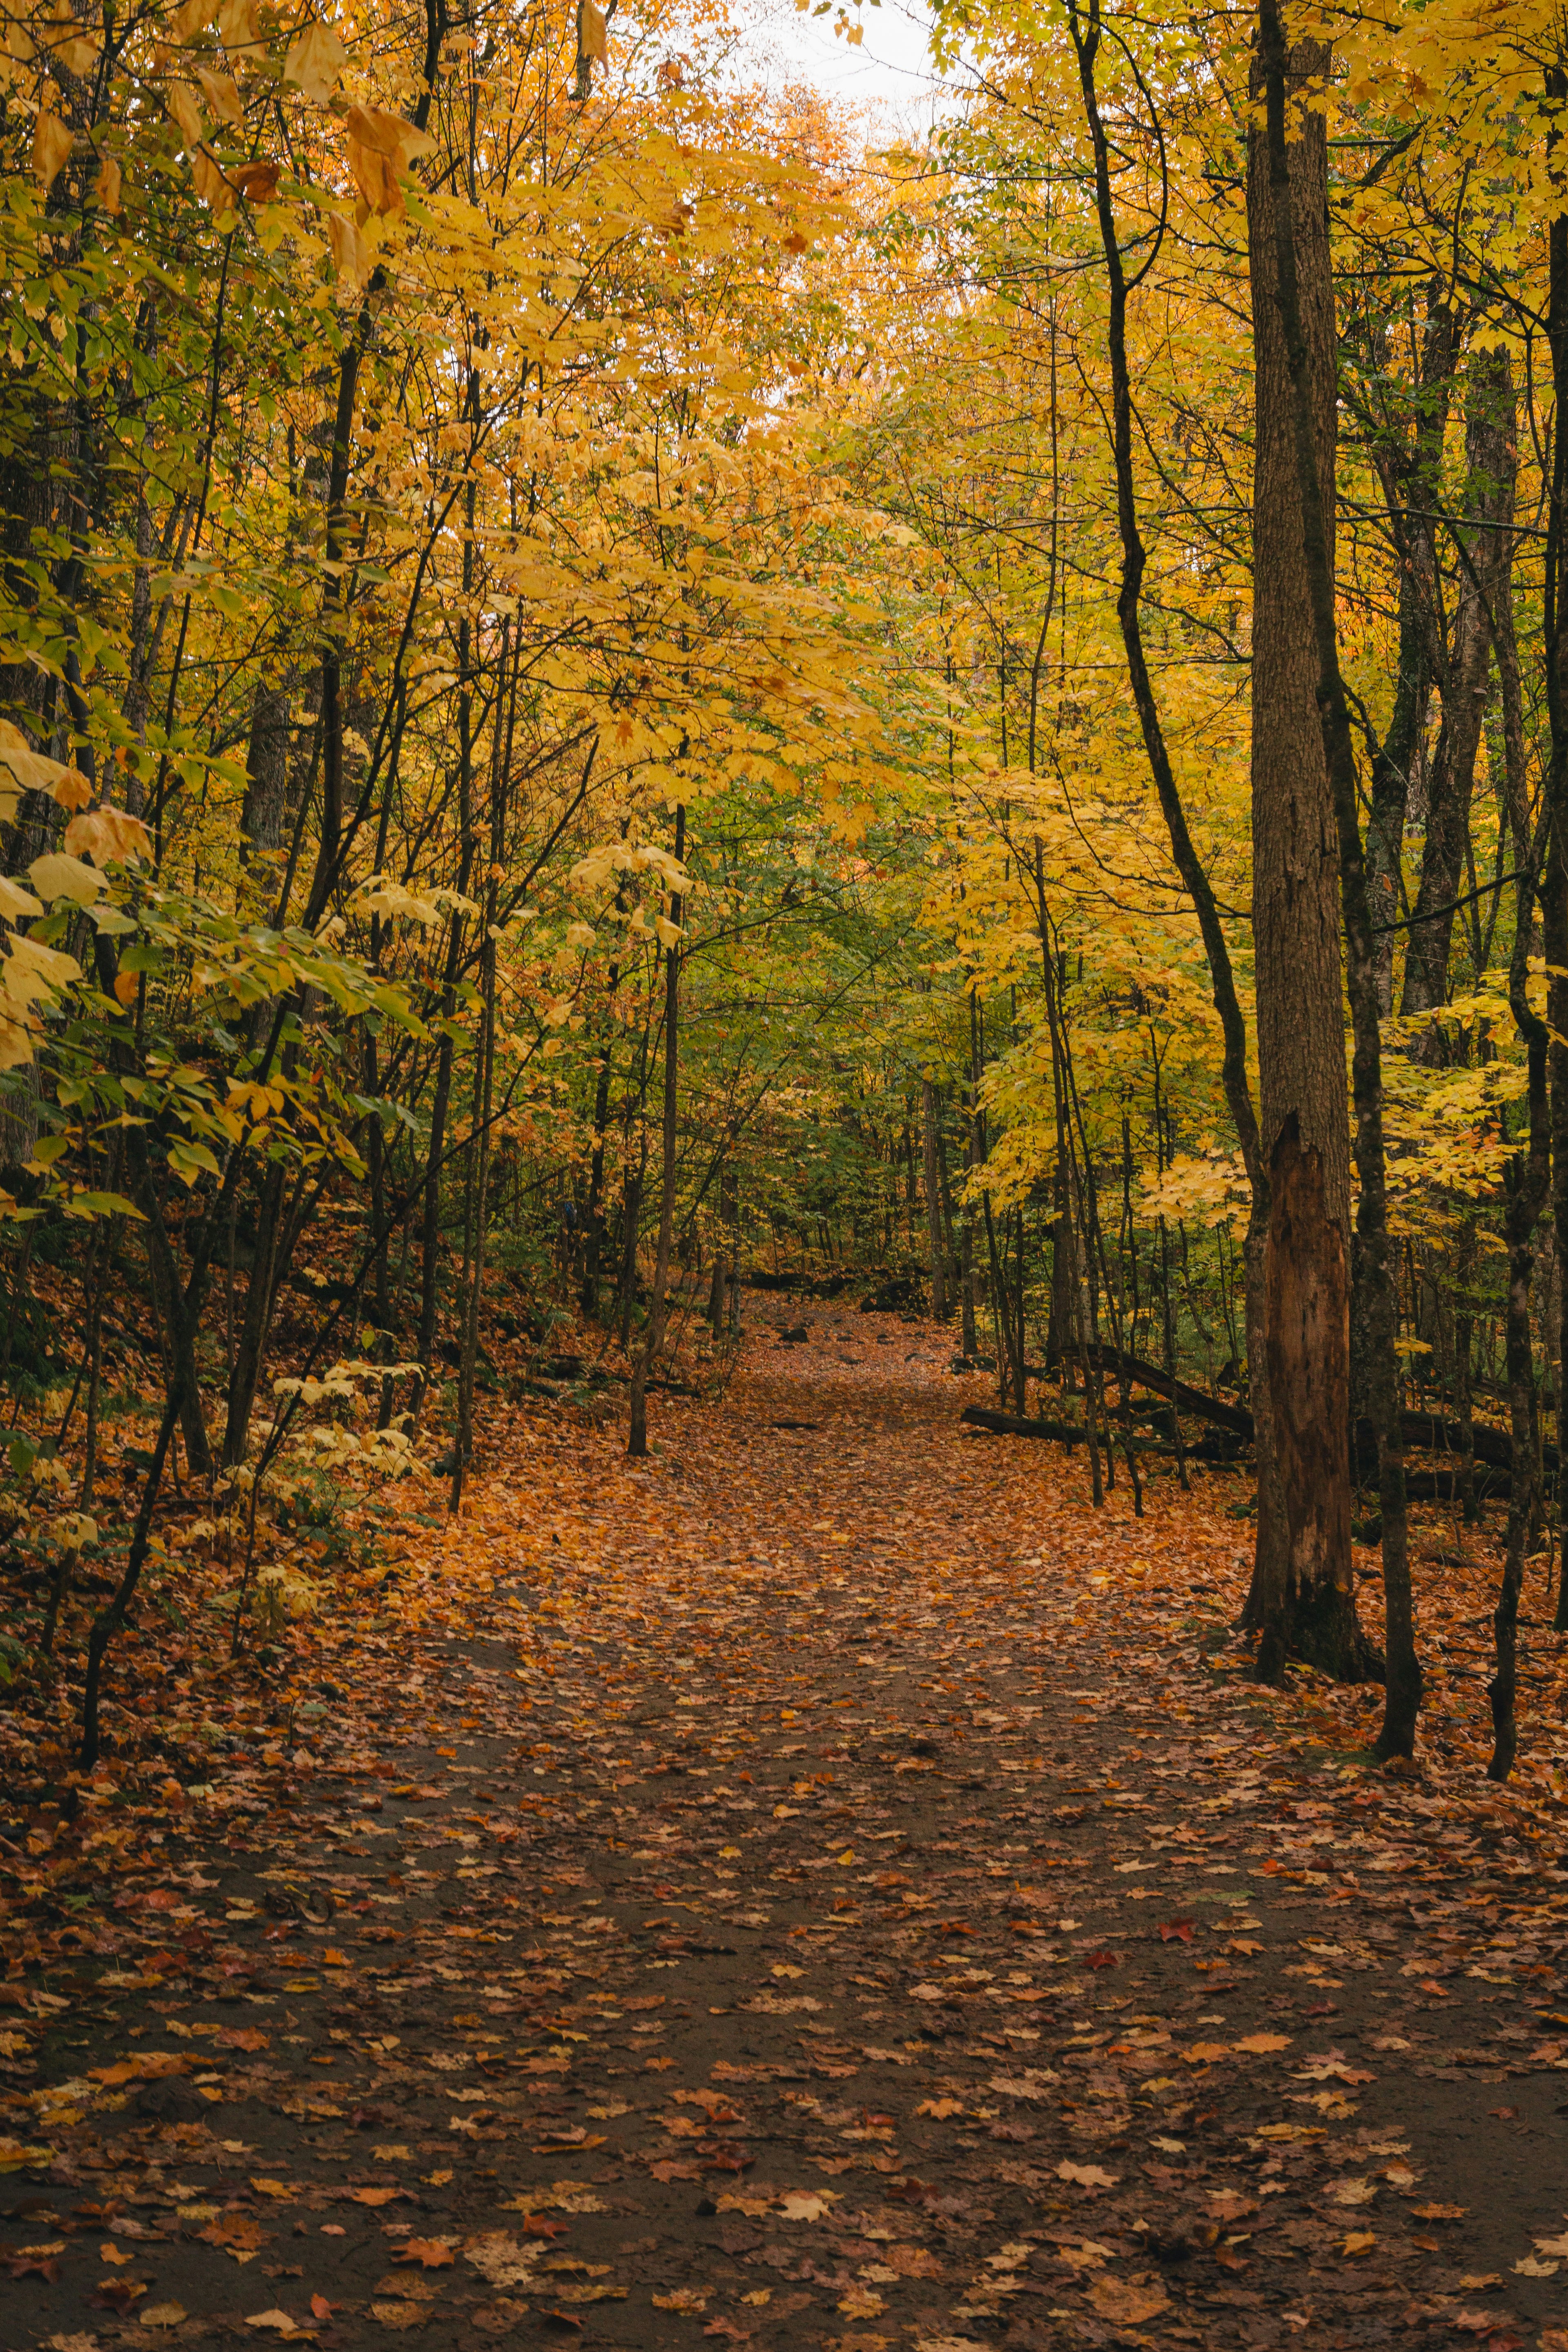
(795, 1798)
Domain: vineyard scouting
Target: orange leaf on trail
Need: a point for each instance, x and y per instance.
(1260, 2044)
(1176, 1931)
(149, 2068)
(1128, 2305)
(371, 2196)
(428, 2253)
(241, 2037)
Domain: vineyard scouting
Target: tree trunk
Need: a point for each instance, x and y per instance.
(266, 773)
(1295, 933)
(1411, 474)
(1403, 1678)
(636, 1442)
(934, 1204)
(1484, 581)
(1307, 1336)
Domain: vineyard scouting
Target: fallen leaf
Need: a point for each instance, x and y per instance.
(1126, 2305)
(399, 2315)
(1088, 2175)
(501, 2261)
(911, 2262)
(807, 2204)
(429, 2253)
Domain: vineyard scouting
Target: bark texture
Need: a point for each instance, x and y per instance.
(1306, 1324)
(1304, 1565)
(1295, 853)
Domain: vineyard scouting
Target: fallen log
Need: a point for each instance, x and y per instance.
(1182, 1393)
(1494, 1446)
(1011, 1425)
(1430, 1432)
(1210, 1450)
(1443, 1485)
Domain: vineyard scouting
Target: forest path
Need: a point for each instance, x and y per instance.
(825, 1886)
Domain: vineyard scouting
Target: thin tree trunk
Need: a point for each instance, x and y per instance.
(1086, 35)
(1411, 473)
(1485, 531)
(110, 1619)
(636, 1442)
(934, 1244)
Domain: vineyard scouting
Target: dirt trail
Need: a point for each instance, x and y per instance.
(837, 1891)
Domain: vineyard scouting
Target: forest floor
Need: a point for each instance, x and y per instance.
(825, 1885)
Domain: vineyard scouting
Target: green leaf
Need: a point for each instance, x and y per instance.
(190, 1160)
(100, 1205)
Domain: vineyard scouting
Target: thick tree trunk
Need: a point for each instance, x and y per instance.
(1403, 1668)
(1304, 1564)
(1307, 1338)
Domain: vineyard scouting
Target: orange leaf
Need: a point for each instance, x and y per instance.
(428, 2253)
(257, 183)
